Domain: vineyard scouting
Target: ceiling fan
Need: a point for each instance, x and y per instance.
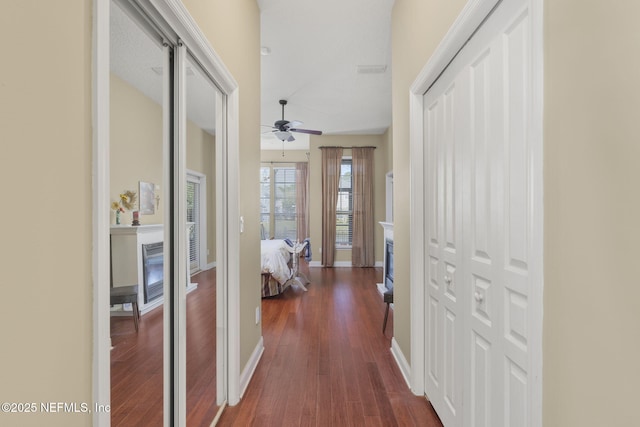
(282, 128)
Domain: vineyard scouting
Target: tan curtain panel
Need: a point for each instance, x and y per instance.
(302, 206)
(362, 251)
(331, 160)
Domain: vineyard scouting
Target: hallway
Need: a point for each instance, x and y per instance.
(326, 361)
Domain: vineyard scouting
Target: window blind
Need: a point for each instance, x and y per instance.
(278, 212)
(265, 200)
(193, 215)
(344, 207)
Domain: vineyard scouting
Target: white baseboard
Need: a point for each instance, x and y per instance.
(209, 266)
(401, 361)
(315, 264)
(251, 366)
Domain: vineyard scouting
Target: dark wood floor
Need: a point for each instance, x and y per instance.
(326, 361)
(136, 362)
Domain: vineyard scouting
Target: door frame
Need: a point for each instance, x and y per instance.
(176, 17)
(470, 18)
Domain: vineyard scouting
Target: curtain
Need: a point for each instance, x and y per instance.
(331, 160)
(362, 251)
(302, 207)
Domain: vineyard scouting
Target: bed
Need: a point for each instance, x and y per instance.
(279, 268)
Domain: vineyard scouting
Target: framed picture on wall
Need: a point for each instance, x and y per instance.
(147, 198)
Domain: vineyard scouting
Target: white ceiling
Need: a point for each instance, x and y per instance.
(137, 59)
(316, 48)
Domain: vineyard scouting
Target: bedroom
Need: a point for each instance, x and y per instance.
(307, 150)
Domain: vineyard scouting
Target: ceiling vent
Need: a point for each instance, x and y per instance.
(372, 69)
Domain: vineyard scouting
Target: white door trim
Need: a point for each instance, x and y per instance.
(177, 17)
(472, 15)
(101, 381)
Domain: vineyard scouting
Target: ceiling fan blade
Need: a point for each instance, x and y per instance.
(294, 123)
(309, 131)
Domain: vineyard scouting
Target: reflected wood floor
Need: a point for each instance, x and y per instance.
(326, 361)
(136, 362)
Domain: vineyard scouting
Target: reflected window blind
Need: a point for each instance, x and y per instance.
(193, 215)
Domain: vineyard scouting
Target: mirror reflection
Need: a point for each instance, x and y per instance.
(201, 223)
(138, 222)
(139, 218)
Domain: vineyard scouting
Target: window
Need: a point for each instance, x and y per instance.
(344, 208)
(278, 213)
(265, 200)
(196, 183)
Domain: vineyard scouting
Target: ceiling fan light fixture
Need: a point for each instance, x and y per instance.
(281, 135)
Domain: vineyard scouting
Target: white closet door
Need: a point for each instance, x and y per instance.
(479, 213)
(445, 290)
(517, 220)
(482, 221)
(498, 219)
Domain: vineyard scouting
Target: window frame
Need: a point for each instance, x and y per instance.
(270, 225)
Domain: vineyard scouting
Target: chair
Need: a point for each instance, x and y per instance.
(296, 249)
(124, 295)
(388, 299)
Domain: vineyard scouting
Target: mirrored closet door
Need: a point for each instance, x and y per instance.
(202, 97)
(140, 218)
(166, 129)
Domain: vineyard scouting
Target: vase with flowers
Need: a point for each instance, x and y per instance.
(126, 201)
(115, 206)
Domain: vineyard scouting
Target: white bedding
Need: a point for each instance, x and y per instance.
(275, 259)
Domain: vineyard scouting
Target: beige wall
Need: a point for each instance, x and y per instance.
(135, 145)
(45, 174)
(592, 210)
(136, 153)
(417, 28)
(233, 28)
